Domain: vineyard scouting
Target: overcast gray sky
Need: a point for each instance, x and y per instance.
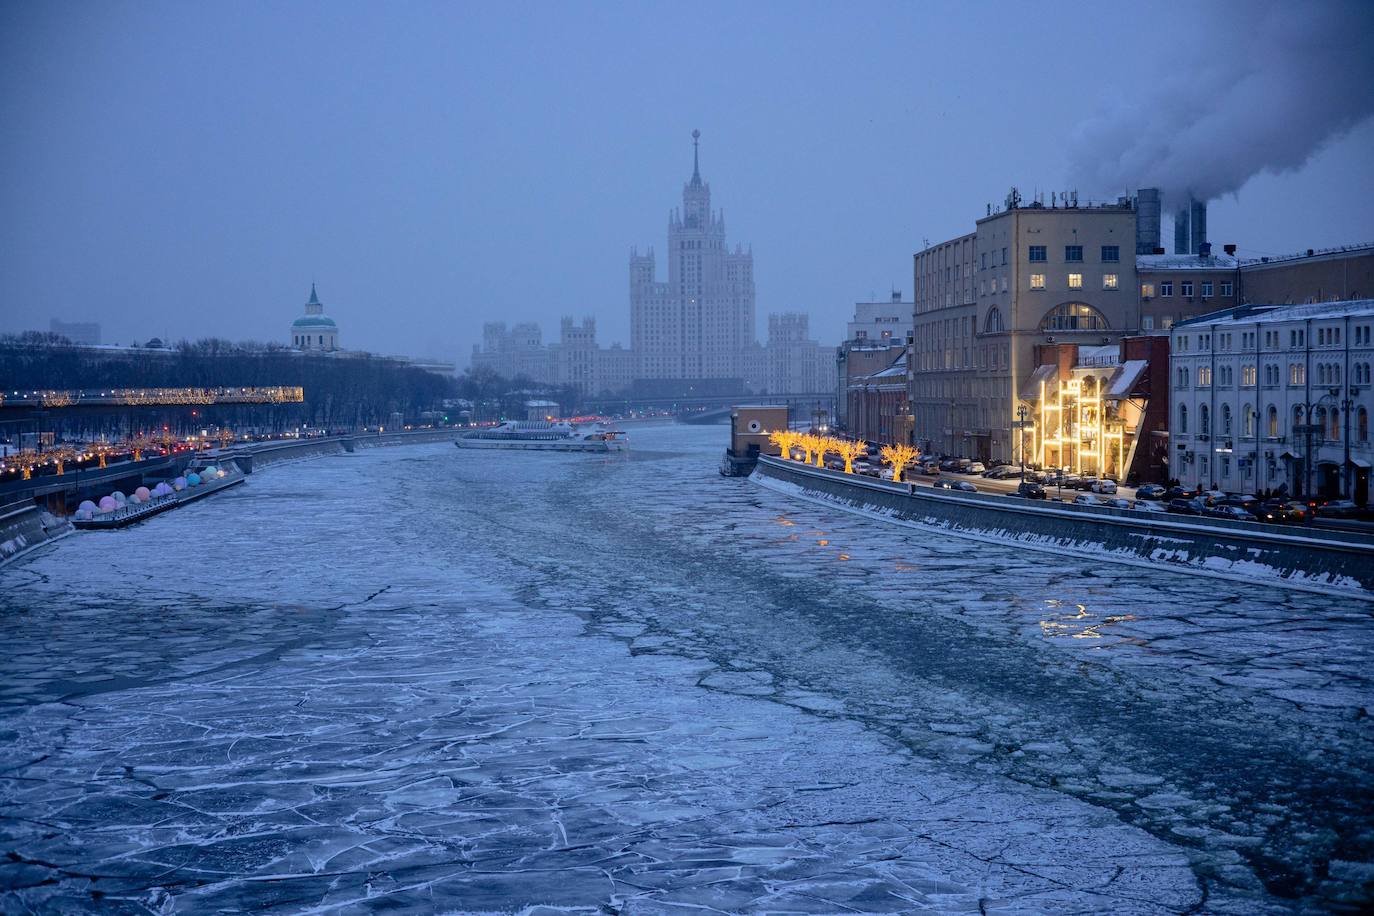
(185, 170)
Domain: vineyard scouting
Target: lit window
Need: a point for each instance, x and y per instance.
(1075, 281)
(1037, 281)
(1109, 281)
(1073, 316)
(1147, 290)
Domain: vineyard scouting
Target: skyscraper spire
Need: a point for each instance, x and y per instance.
(696, 167)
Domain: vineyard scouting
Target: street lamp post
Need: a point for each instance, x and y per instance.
(1347, 403)
(1021, 438)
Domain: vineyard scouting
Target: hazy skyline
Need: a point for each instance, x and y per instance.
(187, 171)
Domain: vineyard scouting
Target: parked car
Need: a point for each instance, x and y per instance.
(1105, 485)
(1147, 505)
(1083, 483)
(1030, 490)
(931, 468)
(1086, 499)
(869, 470)
(1176, 493)
(975, 467)
(1190, 506)
(1234, 513)
(1119, 502)
(1149, 491)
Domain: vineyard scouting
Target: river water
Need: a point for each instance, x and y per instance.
(423, 680)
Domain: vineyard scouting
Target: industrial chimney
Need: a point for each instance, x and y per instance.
(1181, 231)
(1197, 225)
(1146, 220)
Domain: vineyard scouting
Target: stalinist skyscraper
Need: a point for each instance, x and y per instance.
(699, 323)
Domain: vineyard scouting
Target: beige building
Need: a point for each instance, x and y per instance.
(1177, 287)
(1029, 275)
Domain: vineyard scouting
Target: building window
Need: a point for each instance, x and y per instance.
(1147, 323)
(1186, 288)
(1073, 252)
(1037, 281)
(1273, 420)
(1334, 430)
(1247, 376)
(1183, 419)
(1248, 422)
(1111, 252)
(1109, 281)
(1004, 257)
(1226, 419)
(1206, 289)
(993, 323)
(1075, 281)
(1226, 288)
(1362, 425)
(1073, 316)
(1204, 420)
(1037, 253)
(1166, 322)
(1183, 376)
(1147, 290)
(1297, 374)
(1166, 289)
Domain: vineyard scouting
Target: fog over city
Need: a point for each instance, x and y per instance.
(188, 171)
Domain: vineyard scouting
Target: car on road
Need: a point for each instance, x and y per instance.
(1234, 513)
(1283, 512)
(962, 485)
(1030, 490)
(1147, 505)
(931, 469)
(975, 467)
(1340, 508)
(1118, 502)
(1105, 485)
(1086, 499)
(1189, 506)
(1176, 493)
(1149, 491)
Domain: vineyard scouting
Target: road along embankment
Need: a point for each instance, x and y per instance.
(25, 526)
(1302, 558)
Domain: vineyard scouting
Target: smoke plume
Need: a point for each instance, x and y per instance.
(1263, 87)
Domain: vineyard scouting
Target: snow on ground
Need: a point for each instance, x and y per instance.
(414, 679)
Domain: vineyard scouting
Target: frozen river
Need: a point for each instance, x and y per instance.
(424, 680)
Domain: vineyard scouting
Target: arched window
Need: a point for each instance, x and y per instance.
(1183, 418)
(1226, 419)
(1073, 316)
(1334, 430)
(1248, 421)
(1298, 416)
(1362, 425)
(1273, 422)
(1183, 376)
(1319, 420)
(1204, 420)
(993, 323)
(1335, 373)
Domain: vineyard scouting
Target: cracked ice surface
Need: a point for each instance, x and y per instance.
(411, 679)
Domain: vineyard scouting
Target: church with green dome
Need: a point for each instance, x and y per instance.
(315, 330)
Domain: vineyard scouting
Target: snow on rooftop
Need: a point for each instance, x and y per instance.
(1250, 314)
(1185, 262)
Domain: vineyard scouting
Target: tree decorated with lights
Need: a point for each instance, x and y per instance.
(785, 440)
(899, 456)
(822, 445)
(849, 451)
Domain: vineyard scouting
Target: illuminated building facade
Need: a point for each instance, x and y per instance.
(1030, 275)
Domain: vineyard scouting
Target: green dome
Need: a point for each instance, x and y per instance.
(313, 321)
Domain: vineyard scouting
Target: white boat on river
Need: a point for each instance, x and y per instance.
(546, 436)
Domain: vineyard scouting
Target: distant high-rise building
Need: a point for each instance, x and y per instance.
(314, 330)
(699, 323)
(78, 332)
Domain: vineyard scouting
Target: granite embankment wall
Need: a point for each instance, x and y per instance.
(255, 455)
(25, 526)
(1327, 561)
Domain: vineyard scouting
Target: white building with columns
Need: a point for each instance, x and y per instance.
(1270, 396)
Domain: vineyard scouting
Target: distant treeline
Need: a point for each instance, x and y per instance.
(342, 392)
